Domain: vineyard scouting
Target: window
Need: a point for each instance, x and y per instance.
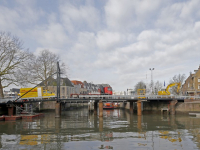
(198, 79)
(188, 84)
(198, 86)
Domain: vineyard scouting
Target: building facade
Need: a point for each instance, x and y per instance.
(79, 87)
(66, 87)
(191, 87)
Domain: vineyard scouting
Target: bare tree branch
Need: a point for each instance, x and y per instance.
(12, 56)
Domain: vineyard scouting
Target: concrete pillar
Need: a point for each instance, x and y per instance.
(57, 110)
(172, 107)
(95, 108)
(91, 105)
(10, 111)
(26, 107)
(139, 108)
(122, 105)
(127, 106)
(100, 108)
(131, 107)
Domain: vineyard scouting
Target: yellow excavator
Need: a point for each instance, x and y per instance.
(166, 91)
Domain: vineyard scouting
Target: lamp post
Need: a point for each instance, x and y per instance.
(151, 69)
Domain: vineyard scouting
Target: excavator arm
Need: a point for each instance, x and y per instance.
(166, 92)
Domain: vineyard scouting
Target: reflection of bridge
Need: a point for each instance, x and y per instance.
(92, 127)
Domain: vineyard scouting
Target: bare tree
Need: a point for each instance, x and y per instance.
(177, 79)
(12, 58)
(140, 85)
(158, 86)
(43, 67)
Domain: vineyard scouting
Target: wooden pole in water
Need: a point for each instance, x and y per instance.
(100, 108)
(139, 108)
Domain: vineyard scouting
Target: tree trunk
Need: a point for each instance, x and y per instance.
(1, 90)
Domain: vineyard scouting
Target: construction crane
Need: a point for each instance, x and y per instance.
(166, 91)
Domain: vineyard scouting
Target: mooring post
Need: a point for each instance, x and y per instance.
(100, 108)
(139, 108)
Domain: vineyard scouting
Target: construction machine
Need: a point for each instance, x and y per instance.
(166, 91)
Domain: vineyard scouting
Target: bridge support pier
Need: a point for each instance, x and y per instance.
(172, 107)
(100, 108)
(131, 107)
(139, 108)
(58, 110)
(95, 108)
(10, 111)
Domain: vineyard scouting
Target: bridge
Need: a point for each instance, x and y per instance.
(97, 99)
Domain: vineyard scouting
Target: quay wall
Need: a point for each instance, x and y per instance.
(180, 107)
(50, 105)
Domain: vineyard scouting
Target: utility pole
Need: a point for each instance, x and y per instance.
(58, 82)
(151, 69)
(58, 103)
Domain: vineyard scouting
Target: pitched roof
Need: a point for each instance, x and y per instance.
(76, 82)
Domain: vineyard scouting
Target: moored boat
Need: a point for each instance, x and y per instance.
(108, 105)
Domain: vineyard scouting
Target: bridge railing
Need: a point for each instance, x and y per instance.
(5, 100)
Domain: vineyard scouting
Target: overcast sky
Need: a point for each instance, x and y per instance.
(110, 41)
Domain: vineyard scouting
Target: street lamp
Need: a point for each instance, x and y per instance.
(151, 69)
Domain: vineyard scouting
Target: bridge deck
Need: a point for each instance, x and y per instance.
(106, 98)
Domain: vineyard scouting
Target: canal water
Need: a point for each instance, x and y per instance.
(119, 130)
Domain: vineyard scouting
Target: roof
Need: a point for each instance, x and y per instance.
(76, 82)
(53, 82)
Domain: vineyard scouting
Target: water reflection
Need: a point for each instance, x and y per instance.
(118, 129)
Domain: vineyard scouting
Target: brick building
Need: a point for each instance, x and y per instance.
(191, 87)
